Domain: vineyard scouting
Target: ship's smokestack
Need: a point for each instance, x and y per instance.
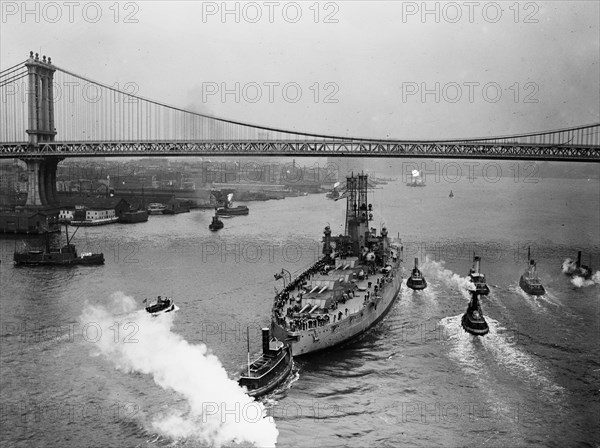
(265, 341)
(477, 264)
(578, 259)
(416, 263)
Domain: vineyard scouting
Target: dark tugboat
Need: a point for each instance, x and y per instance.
(270, 369)
(577, 270)
(416, 281)
(478, 279)
(228, 210)
(161, 306)
(529, 282)
(216, 223)
(451, 195)
(55, 256)
(473, 321)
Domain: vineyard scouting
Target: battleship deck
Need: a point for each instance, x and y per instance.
(333, 308)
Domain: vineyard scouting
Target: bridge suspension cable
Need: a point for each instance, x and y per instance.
(137, 118)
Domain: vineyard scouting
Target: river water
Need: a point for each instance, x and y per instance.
(81, 366)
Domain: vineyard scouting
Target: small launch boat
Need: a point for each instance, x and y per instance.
(161, 306)
(270, 369)
(529, 282)
(473, 321)
(416, 281)
(478, 278)
(451, 194)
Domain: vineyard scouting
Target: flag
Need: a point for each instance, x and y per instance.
(278, 276)
(145, 300)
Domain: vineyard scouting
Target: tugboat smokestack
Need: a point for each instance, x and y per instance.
(416, 263)
(265, 341)
(579, 259)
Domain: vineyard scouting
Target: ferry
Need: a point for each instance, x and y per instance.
(57, 256)
(478, 278)
(473, 321)
(529, 281)
(161, 306)
(156, 208)
(270, 369)
(133, 216)
(416, 281)
(349, 290)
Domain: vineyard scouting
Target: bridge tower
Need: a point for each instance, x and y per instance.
(41, 190)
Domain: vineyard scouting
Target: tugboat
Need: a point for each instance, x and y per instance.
(416, 281)
(216, 223)
(579, 270)
(270, 369)
(451, 194)
(346, 292)
(161, 306)
(478, 279)
(228, 210)
(473, 321)
(529, 282)
(57, 256)
(334, 194)
(416, 181)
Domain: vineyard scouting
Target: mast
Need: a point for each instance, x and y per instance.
(248, 338)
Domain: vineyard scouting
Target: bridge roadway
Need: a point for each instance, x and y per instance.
(297, 148)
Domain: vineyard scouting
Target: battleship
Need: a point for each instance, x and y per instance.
(270, 369)
(478, 278)
(57, 256)
(473, 321)
(529, 281)
(416, 281)
(349, 290)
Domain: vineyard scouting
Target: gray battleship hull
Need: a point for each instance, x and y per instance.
(350, 327)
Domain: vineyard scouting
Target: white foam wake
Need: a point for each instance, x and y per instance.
(219, 410)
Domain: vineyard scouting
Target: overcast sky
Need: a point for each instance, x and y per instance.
(527, 67)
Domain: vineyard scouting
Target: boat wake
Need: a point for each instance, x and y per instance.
(536, 301)
(500, 346)
(436, 270)
(188, 369)
(581, 282)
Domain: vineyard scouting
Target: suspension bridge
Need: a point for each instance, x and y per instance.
(49, 113)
